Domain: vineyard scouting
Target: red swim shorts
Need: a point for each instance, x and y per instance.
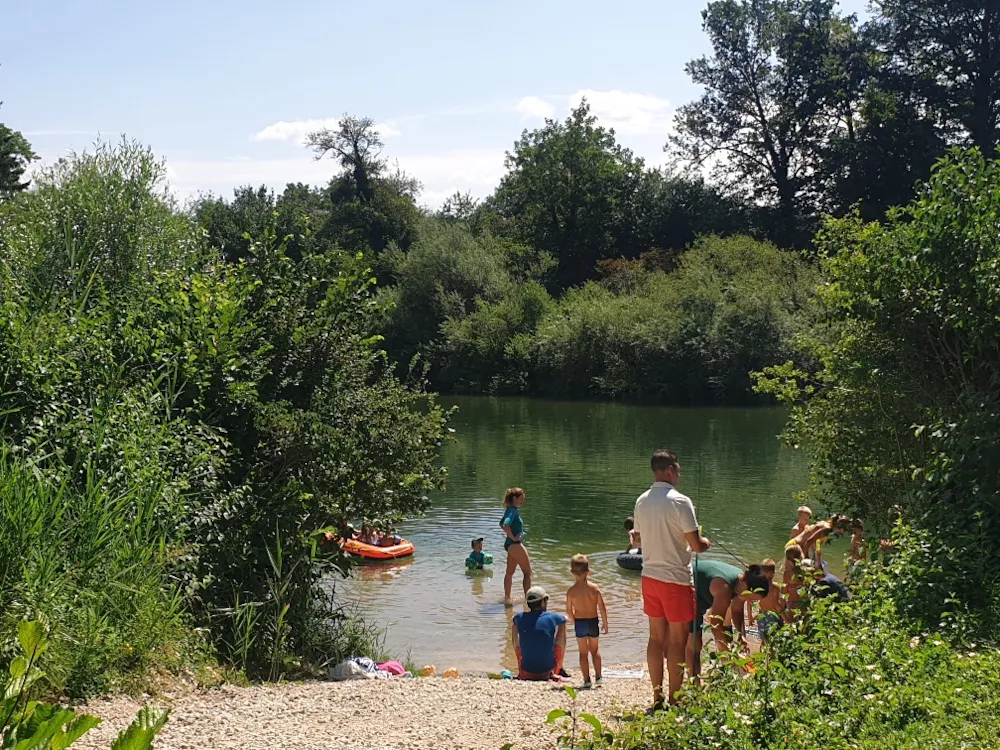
(673, 601)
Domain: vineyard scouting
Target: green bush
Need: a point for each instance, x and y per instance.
(855, 676)
(33, 724)
(440, 277)
(902, 410)
(239, 407)
(694, 335)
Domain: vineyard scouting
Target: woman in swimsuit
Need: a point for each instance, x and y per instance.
(517, 555)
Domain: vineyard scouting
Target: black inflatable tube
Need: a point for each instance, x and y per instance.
(630, 560)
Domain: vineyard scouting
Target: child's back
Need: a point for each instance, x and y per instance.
(582, 599)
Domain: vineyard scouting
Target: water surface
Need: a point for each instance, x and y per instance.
(582, 466)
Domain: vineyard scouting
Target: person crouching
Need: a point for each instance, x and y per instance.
(539, 638)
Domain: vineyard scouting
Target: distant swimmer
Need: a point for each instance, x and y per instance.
(583, 603)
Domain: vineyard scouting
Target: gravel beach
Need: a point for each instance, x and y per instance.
(432, 712)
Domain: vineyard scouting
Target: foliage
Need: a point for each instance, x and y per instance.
(371, 206)
(858, 675)
(441, 276)
(902, 410)
(762, 118)
(33, 724)
(570, 191)
(691, 336)
(15, 156)
(246, 406)
(948, 54)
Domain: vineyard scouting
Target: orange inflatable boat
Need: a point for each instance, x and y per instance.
(371, 552)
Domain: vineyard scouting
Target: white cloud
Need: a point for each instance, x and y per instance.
(535, 108)
(628, 112)
(295, 131)
(475, 170)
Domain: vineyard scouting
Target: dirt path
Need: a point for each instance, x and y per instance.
(432, 712)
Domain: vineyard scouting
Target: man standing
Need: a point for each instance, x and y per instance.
(539, 638)
(665, 519)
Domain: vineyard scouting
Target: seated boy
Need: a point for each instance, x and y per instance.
(583, 601)
(477, 558)
(539, 638)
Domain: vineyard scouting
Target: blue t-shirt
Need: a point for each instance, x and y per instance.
(513, 519)
(537, 634)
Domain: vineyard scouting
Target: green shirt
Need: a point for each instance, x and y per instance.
(706, 571)
(478, 560)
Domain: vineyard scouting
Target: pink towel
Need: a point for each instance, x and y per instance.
(392, 667)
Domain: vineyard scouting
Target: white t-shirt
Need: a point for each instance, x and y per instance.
(662, 517)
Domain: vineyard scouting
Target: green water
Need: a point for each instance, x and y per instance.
(582, 465)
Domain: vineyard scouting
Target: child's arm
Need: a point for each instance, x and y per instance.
(570, 613)
(604, 611)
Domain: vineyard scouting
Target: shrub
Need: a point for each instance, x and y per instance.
(902, 410)
(691, 336)
(240, 407)
(858, 675)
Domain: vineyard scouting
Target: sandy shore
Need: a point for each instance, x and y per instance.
(469, 712)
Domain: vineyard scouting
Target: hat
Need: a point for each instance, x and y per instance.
(476, 540)
(535, 594)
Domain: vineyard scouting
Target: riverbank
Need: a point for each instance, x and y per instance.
(469, 712)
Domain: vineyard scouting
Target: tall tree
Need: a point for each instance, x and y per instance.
(15, 156)
(372, 206)
(357, 145)
(764, 117)
(570, 191)
(949, 52)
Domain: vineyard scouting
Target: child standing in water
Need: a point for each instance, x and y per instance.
(634, 542)
(583, 601)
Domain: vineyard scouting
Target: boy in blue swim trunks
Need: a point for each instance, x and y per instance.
(583, 601)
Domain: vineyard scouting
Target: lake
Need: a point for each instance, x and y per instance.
(582, 465)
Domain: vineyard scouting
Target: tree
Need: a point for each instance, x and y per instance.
(570, 191)
(230, 226)
(949, 52)
(902, 410)
(15, 156)
(357, 145)
(764, 116)
(371, 205)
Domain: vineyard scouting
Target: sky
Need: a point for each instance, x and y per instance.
(225, 91)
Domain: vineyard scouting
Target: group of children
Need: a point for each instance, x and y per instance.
(804, 569)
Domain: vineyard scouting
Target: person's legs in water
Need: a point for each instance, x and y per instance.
(508, 576)
(524, 562)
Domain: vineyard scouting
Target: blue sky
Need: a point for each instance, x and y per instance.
(224, 90)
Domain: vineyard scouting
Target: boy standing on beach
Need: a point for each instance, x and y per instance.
(583, 601)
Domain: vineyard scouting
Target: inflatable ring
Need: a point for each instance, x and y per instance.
(631, 560)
